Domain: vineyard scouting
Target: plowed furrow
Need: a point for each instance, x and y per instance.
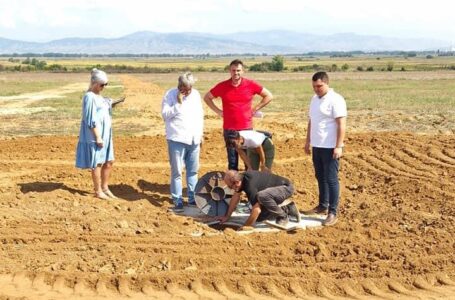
(442, 157)
(444, 191)
(362, 165)
(449, 152)
(427, 159)
(379, 164)
(407, 169)
(414, 163)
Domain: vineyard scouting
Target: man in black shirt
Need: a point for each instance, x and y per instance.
(266, 193)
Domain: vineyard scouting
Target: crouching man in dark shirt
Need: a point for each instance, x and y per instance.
(266, 193)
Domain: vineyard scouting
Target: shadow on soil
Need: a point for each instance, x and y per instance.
(42, 187)
(155, 193)
(152, 192)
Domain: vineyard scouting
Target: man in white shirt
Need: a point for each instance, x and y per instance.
(184, 117)
(325, 136)
(259, 148)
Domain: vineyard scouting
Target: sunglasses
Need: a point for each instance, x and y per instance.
(103, 84)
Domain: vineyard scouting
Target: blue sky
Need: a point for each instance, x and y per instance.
(35, 20)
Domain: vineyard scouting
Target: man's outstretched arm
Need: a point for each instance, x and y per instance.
(232, 206)
(255, 211)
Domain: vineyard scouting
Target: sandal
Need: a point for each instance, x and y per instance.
(109, 194)
(101, 195)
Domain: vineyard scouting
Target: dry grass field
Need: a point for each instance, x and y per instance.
(395, 238)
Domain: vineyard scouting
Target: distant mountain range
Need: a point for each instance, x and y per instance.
(257, 42)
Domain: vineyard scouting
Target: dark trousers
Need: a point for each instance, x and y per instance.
(270, 198)
(326, 170)
(232, 155)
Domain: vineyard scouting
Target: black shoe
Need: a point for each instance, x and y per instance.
(178, 208)
(282, 221)
(293, 212)
(192, 203)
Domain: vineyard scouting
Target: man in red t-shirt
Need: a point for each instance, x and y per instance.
(236, 95)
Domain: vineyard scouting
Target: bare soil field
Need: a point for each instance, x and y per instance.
(395, 238)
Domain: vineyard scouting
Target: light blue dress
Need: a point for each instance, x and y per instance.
(96, 112)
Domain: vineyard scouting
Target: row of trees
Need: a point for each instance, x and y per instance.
(275, 65)
(38, 64)
(108, 68)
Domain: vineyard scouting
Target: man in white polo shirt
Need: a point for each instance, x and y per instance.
(325, 136)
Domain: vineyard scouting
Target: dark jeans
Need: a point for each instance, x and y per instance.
(270, 198)
(232, 155)
(326, 169)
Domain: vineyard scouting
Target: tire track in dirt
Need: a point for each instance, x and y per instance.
(41, 286)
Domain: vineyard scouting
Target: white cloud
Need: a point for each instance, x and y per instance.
(32, 20)
(267, 6)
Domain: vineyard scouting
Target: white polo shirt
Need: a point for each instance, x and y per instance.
(184, 122)
(323, 112)
(252, 138)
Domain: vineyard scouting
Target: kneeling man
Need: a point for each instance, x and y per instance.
(266, 194)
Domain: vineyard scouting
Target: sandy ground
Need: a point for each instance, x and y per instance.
(394, 240)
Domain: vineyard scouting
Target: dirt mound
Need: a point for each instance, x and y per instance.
(395, 237)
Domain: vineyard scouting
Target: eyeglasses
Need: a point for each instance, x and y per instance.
(103, 84)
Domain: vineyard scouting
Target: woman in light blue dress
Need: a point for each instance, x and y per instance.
(95, 149)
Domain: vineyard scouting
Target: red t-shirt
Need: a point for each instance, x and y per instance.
(237, 102)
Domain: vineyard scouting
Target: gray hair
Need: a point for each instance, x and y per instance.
(233, 175)
(98, 76)
(186, 80)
